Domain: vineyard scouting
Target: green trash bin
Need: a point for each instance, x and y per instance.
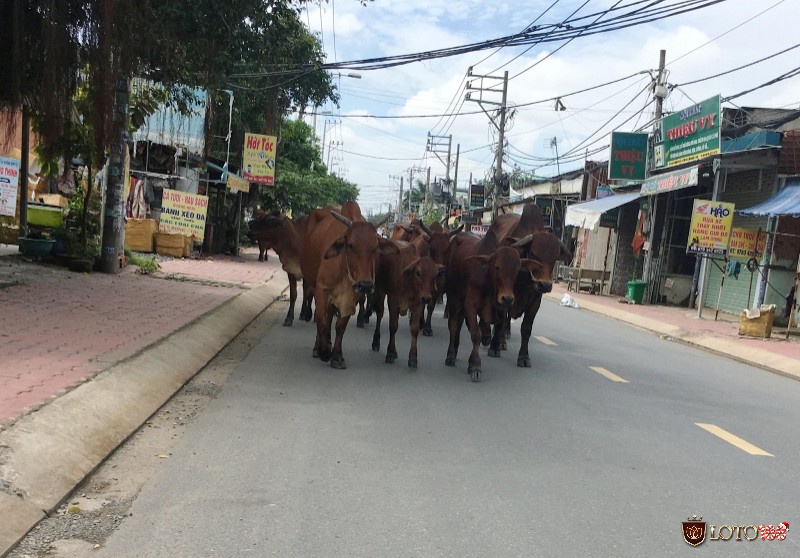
(636, 291)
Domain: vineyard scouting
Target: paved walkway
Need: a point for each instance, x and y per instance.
(87, 358)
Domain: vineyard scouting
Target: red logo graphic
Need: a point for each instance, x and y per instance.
(776, 533)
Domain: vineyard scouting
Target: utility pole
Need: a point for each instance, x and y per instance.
(499, 124)
(114, 214)
(428, 190)
(455, 172)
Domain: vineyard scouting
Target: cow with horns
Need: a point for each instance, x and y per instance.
(340, 256)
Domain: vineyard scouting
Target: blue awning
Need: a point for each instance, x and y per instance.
(586, 215)
(785, 202)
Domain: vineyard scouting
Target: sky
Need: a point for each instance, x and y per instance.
(368, 144)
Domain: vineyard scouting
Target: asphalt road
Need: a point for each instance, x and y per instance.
(297, 459)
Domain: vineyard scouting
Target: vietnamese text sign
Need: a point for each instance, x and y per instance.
(9, 181)
(546, 206)
(628, 159)
(259, 159)
(670, 181)
(183, 213)
(710, 228)
(237, 183)
(746, 243)
(477, 196)
(688, 135)
(480, 230)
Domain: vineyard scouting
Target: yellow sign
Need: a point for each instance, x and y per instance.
(238, 184)
(746, 244)
(259, 159)
(183, 213)
(710, 228)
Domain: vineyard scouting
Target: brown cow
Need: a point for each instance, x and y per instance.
(435, 244)
(480, 287)
(544, 247)
(339, 260)
(255, 226)
(285, 236)
(407, 282)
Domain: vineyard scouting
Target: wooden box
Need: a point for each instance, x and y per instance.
(140, 234)
(170, 244)
(760, 326)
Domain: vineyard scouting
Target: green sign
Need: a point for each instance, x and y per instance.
(669, 181)
(688, 135)
(628, 160)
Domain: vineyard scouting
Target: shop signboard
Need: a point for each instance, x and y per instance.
(259, 159)
(546, 206)
(477, 196)
(710, 228)
(237, 183)
(628, 157)
(480, 230)
(746, 243)
(9, 181)
(183, 213)
(688, 135)
(670, 181)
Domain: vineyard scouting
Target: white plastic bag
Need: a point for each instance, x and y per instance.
(568, 301)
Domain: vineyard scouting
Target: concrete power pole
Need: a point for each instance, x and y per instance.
(114, 214)
(500, 124)
(455, 172)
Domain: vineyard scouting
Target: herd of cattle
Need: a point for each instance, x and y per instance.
(348, 268)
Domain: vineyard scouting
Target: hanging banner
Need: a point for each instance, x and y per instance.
(9, 180)
(710, 228)
(628, 158)
(669, 181)
(259, 158)
(747, 243)
(183, 213)
(477, 196)
(688, 135)
(237, 183)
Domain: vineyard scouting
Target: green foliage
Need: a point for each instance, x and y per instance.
(70, 231)
(147, 265)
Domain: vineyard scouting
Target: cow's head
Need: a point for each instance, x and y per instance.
(360, 247)
(422, 275)
(545, 249)
(503, 265)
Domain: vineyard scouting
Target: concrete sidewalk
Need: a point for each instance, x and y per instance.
(88, 358)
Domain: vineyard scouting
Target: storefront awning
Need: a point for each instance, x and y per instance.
(587, 214)
(785, 202)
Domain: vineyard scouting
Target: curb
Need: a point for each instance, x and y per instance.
(46, 454)
(759, 358)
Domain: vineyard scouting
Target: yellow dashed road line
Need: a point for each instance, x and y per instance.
(732, 439)
(610, 375)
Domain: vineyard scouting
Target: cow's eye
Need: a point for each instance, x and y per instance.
(350, 246)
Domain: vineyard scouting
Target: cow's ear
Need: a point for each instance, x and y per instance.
(481, 260)
(336, 248)
(409, 269)
(440, 269)
(531, 266)
(388, 247)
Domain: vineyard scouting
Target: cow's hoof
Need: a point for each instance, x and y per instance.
(315, 353)
(376, 347)
(325, 356)
(427, 332)
(450, 361)
(524, 361)
(390, 359)
(412, 363)
(338, 363)
(485, 340)
(288, 322)
(503, 346)
(360, 324)
(475, 374)
(494, 352)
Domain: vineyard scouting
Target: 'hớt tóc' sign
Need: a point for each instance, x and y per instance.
(259, 159)
(183, 213)
(710, 228)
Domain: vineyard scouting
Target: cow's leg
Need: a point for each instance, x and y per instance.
(523, 359)
(262, 250)
(394, 318)
(361, 316)
(324, 318)
(417, 310)
(376, 337)
(454, 327)
(495, 345)
(305, 308)
(427, 330)
(337, 359)
(292, 299)
(486, 332)
(475, 333)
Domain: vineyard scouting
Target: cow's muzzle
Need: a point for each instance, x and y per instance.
(426, 300)
(364, 287)
(545, 286)
(507, 300)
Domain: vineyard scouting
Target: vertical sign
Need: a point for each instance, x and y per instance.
(628, 159)
(183, 213)
(259, 159)
(477, 196)
(546, 205)
(9, 180)
(710, 228)
(688, 135)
